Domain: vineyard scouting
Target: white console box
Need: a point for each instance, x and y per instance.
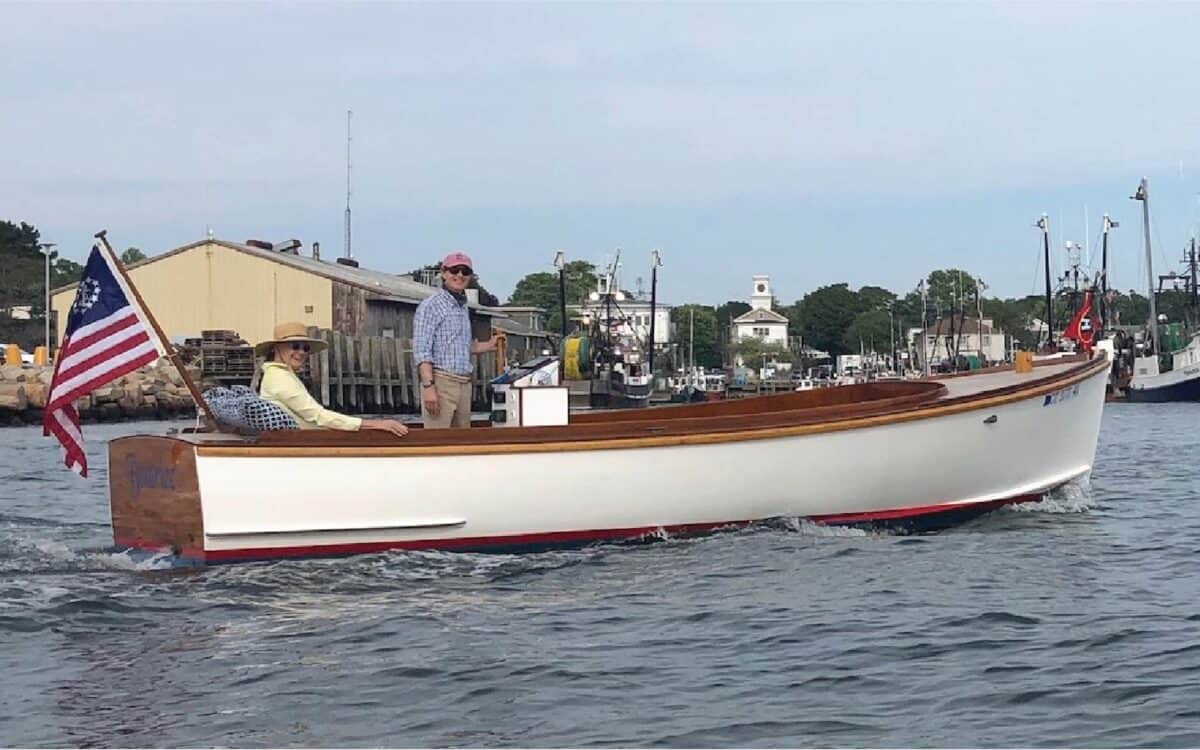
(536, 406)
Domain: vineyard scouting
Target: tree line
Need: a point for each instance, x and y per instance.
(23, 281)
(840, 320)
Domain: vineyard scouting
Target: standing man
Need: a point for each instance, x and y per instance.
(442, 347)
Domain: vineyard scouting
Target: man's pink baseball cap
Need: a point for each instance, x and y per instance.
(457, 258)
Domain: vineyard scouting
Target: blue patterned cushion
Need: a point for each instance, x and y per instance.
(244, 409)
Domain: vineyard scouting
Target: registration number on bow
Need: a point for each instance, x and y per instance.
(1060, 396)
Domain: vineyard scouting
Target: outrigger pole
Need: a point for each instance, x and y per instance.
(201, 404)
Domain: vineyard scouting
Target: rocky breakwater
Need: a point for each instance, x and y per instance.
(154, 392)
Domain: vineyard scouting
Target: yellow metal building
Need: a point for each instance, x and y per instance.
(215, 284)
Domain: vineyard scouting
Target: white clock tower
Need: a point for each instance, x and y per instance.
(761, 298)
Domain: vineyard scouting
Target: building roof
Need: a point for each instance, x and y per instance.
(517, 328)
(520, 308)
(386, 287)
(760, 315)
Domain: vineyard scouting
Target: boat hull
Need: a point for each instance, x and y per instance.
(1184, 388)
(917, 469)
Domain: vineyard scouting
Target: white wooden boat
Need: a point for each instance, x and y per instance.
(919, 453)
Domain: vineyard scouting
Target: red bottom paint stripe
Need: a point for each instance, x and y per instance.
(559, 538)
(922, 510)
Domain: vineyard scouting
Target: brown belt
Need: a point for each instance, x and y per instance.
(452, 377)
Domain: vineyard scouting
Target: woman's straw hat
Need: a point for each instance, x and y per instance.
(289, 333)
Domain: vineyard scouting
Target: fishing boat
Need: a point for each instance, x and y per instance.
(610, 352)
(1168, 367)
(858, 455)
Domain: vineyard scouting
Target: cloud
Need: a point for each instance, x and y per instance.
(167, 118)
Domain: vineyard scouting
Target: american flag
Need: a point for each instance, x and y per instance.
(106, 338)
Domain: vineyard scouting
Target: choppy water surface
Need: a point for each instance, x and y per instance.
(1071, 622)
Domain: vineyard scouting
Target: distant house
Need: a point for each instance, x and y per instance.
(636, 314)
(969, 337)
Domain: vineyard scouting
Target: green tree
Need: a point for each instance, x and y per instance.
(726, 314)
(63, 271)
(949, 285)
(541, 290)
(868, 332)
(132, 255)
(732, 309)
(753, 349)
(874, 298)
(1130, 309)
(21, 265)
(825, 314)
(703, 336)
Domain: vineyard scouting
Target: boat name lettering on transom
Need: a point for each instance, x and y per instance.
(1060, 396)
(149, 477)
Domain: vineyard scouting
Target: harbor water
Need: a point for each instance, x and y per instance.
(1073, 621)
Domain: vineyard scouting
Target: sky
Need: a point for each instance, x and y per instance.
(814, 142)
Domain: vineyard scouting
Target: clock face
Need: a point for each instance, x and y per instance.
(762, 288)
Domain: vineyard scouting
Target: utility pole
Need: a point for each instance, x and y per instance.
(979, 287)
(892, 334)
(924, 334)
(560, 262)
(46, 246)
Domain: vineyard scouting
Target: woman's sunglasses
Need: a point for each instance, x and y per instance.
(301, 347)
(460, 270)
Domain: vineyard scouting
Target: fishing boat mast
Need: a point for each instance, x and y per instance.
(1044, 225)
(1107, 224)
(1192, 274)
(655, 262)
(1143, 195)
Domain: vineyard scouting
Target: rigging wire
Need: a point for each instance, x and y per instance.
(1037, 266)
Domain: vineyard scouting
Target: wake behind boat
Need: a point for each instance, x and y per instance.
(852, 455)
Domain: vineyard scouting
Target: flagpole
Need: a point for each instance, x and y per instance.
(201, 404)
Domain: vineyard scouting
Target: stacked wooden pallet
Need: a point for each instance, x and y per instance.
(225, 353)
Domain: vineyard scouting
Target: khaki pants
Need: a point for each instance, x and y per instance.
(454, 402)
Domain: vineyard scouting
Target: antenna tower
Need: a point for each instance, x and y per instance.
(346, 249)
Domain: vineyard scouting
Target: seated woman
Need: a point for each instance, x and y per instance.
(280, 385)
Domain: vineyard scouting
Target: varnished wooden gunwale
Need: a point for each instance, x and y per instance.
(627, 422)
(641, 434)
(818, 401)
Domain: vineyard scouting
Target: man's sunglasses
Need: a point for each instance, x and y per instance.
(301, 347)
(460, 270)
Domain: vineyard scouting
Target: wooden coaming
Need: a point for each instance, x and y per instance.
(154, 493)
(684, 425)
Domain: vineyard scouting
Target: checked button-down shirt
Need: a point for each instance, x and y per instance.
(442, 334)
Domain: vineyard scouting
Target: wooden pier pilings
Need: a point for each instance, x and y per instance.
(376, 374)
